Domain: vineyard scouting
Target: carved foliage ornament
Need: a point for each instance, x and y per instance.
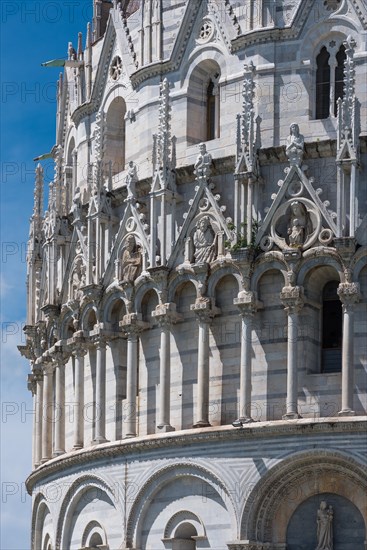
(116, 68)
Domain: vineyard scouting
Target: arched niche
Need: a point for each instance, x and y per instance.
(203, 102)
(225, 350)
(347, 524)
(115, 141)
(185, 494)
(276, 497)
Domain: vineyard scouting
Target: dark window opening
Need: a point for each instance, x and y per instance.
(339, 74)
(323, 84)
(211, 112)
(332, 324)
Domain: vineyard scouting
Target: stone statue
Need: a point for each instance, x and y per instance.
(295, 145)
(299, 225)
(77, 205)
(203, 162)
(131, 260)
(131, 179)
(204, 241)
(324, 527)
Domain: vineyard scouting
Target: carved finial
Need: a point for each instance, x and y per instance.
(72, 56)
(163, 143)
(246, 123)
(38, 200)
(89, 36)
(80, 46)
(346, 107)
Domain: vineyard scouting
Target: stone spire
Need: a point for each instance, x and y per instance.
(36, 219)
(347, 124)
(247, 171)
(246, 154)
(164, 148)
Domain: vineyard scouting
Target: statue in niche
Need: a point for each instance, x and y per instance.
(300, 225)
(324, 527)
(203, 162)
(295, 145)
(77, 205)
(204, 241)
(78, 279)
(131, 179)
(131, 260)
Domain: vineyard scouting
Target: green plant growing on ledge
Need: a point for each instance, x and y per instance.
(241, 241)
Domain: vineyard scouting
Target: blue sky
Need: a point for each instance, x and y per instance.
(32, 31)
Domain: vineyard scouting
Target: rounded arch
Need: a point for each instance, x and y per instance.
(203, 102)
(262, 267)
(112, 303)
(142, 289)
(179, 520)
(325, 261)
(93, 535)
(39, 513)
(215, 54)
(177, 282)
(157, 482)
(89, 317)
(115, 138)
(275, 497)
(67, 328)
(359, 262)
(325, 31)
(73, 496)
(218, 274)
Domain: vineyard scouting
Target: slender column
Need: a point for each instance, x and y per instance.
(166, 315)
(47, 413)
(349, 295)
(59, 409)
(250, 189)
(32, 387)
(79, 354)
(205, 315)
(100, 414)
(340, 218)
(246, 302)
(39, 418)
(332, 64)
(132, 326)
(352, 206)
(292, 298)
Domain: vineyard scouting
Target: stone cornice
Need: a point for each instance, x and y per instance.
(259, 430)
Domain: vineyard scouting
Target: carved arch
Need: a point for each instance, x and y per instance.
(359, 262)
(179, 279)
(324, 260)
(72, 497)
(219, 274)
(264, 264)
(161, 478)
(293, 480)
(40, 509)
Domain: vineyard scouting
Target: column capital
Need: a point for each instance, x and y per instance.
(204, 310)
(32, 383)
(79, 349)
(292, 298)
(349, 294)
(247, 303)
(166, 314)
(132, 324)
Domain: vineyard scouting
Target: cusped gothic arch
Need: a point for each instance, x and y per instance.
(275, 497)
(164, 476)
(72, 498)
